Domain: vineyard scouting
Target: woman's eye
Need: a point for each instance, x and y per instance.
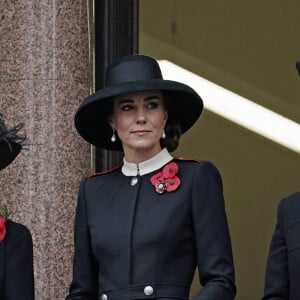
(126, 107)
(152, 105)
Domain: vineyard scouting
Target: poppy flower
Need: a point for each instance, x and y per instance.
(172, 183)
(3, 217)
(167, 179)
(170, 170)
(2, 229)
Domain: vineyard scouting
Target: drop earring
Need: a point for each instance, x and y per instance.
(163, 135)
(113, 137)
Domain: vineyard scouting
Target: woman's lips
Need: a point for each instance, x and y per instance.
(140, 132)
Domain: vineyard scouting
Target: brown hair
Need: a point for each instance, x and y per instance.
(172, 128)
(173, 133)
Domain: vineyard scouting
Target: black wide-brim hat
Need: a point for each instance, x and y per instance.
(8, 152)
(128, 74)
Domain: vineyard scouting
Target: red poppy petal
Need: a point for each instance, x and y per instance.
(172, 183)
(2, 229)
(170, 170)
(155, 178)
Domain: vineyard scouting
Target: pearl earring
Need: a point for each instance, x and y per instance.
(163, 135)
(113, 137)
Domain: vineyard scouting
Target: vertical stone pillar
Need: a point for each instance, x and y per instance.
(116, 35)
(44, 75)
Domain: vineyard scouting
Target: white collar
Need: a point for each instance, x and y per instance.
(147, 166)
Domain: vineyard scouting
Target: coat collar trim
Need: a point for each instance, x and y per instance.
(148, 166)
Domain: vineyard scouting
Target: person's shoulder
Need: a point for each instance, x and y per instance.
(17, 229)
(17, 226)
(197, 163)
(104, 173)
(201, 168)
(289, 209)
(187, 160)
(291, 201)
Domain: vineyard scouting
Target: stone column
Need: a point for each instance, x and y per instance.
(116, 35)
(44, 75)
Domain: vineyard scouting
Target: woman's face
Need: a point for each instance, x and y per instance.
(139, 119)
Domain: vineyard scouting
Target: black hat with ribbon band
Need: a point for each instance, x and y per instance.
(128, 74)
(8, 152)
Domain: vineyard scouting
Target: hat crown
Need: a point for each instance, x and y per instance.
(132, 68)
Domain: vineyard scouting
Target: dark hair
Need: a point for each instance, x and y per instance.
(173, 133)
(11, 134)
(172, 128)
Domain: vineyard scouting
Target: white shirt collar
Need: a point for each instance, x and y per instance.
(147, 166)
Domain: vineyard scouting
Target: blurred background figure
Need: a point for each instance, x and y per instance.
(16, 249)
(283, 267)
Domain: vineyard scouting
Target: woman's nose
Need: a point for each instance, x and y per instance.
(141, 116)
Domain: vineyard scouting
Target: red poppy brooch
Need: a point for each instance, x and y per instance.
(3, 217)
(167, 179)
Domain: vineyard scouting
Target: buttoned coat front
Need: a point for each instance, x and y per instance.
(283, 267)
(132, 242)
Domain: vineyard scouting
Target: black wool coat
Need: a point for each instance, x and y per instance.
(282, 280)
(133, 243)
(16, 263)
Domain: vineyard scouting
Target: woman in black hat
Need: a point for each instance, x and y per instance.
(16, 255)
(143, 228)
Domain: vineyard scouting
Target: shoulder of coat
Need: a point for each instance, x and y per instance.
(187, 159)
(291, 201)
(104, 172)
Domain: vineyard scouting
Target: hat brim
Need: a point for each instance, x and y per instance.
(91, 119)
(8, 152)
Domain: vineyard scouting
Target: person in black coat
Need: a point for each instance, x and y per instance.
(143, 228)
(283, 265)
(16, 249)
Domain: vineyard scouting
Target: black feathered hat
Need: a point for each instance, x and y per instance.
(134, 73)
(10, 143)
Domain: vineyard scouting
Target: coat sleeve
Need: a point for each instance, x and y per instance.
(84, 285)
(277, 275)
(214, 252)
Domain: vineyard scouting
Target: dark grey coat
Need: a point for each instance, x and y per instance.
(134, 243)
(282, 280)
